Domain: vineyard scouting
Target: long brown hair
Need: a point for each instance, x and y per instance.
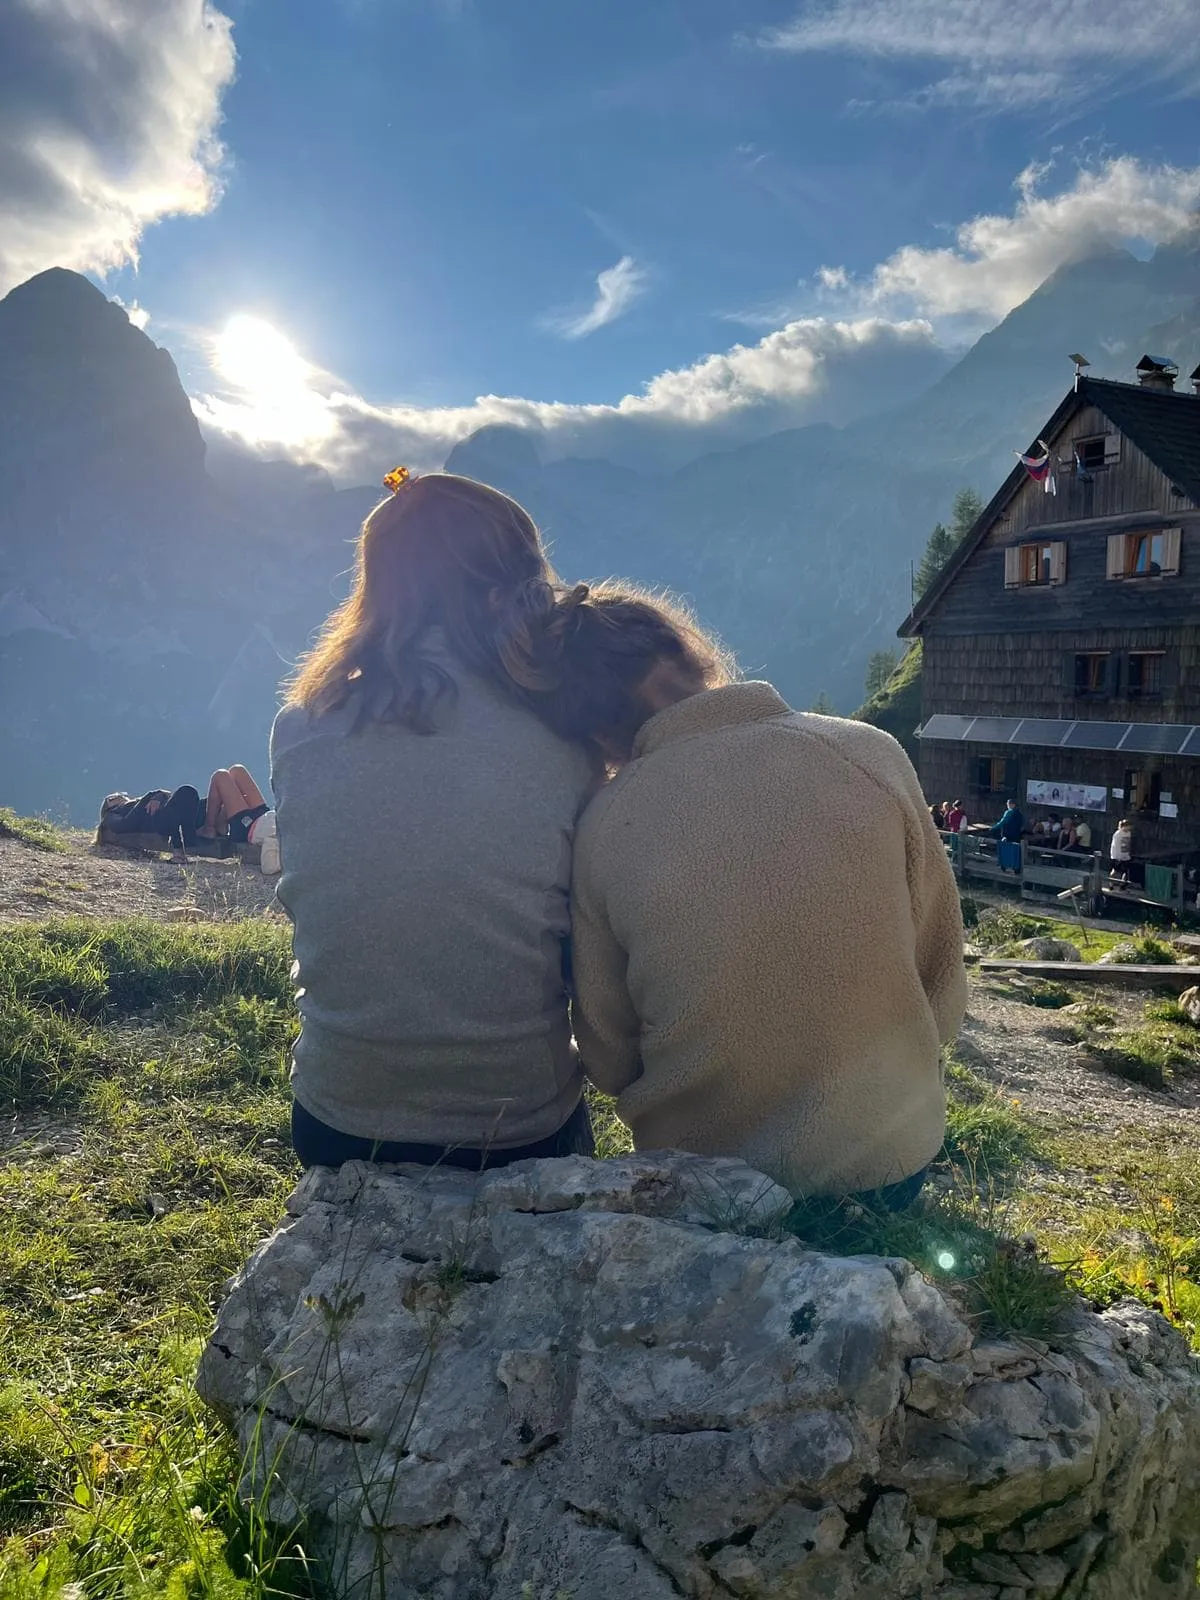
(600, 646)
(446, 552)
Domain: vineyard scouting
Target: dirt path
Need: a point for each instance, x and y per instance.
(1018, 1048)
(91, 882)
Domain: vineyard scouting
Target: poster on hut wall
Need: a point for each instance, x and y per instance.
(1071, 796)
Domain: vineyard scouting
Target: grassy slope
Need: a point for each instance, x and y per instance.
(146, 1065)
(896, 708)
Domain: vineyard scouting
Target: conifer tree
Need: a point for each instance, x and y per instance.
(880, 667)
(824, 705)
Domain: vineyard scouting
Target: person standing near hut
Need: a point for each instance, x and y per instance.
(1007, 833)
(1120, 850)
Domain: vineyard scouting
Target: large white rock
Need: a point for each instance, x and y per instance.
(617, 1381)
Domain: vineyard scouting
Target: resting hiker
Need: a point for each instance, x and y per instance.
(180, 817)
(767, 937)
(425, 820)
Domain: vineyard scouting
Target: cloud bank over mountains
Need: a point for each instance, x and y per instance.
(108, 121)
(862, 342)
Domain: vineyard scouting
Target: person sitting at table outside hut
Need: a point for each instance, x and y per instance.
(1120, 850)
(956, 817)
(1083, 833)
(938, 813)
(1067, 837)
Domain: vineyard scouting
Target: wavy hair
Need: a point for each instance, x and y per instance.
(443, 552)
(601, 645)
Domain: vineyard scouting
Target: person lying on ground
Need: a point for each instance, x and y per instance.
(179, 816)
(425, 818)
(766, 932)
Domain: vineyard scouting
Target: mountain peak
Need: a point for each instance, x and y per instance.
(56, 286)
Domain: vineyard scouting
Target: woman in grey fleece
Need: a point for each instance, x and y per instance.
(426, 818)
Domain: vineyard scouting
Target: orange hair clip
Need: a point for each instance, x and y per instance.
(396, 479)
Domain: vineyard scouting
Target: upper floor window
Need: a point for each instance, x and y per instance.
(1094, 454)
(1028, 566)
(1144, 674)
(1150, 554)
(1092, 673)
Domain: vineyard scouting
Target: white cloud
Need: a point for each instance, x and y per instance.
(811, 369)
(108, 119)
(1005, 54)
(135, 311)
(617, 287)
(996, 262)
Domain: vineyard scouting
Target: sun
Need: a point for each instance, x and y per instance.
(256, 358)
(271, 396)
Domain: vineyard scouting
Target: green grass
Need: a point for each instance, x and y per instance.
(164, 1051)
(145, 1065)
(33, 831)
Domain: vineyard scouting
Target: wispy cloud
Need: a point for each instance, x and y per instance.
(617, 288)
(1007, 54)
(108, 115)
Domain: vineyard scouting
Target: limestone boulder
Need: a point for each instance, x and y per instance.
(623, 1380)
(1189, 1004)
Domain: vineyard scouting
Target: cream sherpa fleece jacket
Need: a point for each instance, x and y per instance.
(768, 944)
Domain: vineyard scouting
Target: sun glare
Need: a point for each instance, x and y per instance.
(257, 358)
(274, 399)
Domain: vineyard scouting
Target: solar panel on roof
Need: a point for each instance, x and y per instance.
(993, 730)
(943, 726)
(1043, 730)
(1156, 738)
(1191, 745)
(1095, 736)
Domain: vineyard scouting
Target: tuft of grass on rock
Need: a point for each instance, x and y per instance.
(36, 832)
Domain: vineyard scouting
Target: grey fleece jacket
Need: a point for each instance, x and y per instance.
(427, 880)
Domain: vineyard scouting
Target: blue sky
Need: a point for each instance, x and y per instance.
(557, 203)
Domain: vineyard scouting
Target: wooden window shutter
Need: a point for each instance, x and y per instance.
(1171, 545)
(1113, 674)
(1112, 448)
(1058, 561)
(1012, 567)
(1116, 556)
(1170, 671)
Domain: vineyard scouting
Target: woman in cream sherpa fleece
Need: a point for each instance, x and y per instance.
(767, 937)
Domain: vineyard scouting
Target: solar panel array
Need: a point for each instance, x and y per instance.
(1138, 738)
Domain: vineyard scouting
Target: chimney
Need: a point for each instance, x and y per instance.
(1157, 372)
(1195, 380)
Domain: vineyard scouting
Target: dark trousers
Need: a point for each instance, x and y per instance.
(319, 1145)
(894, 1196)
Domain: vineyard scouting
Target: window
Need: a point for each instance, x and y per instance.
(1144, 674)
(1028, 566)
(996, 775)
(1142, 791)
(1091, 673)
(1152, 553)
(1099, 452)
(1035, 563)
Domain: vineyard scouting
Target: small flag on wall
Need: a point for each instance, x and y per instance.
(1040, 468)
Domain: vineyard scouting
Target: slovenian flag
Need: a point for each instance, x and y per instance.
(1040, 468)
